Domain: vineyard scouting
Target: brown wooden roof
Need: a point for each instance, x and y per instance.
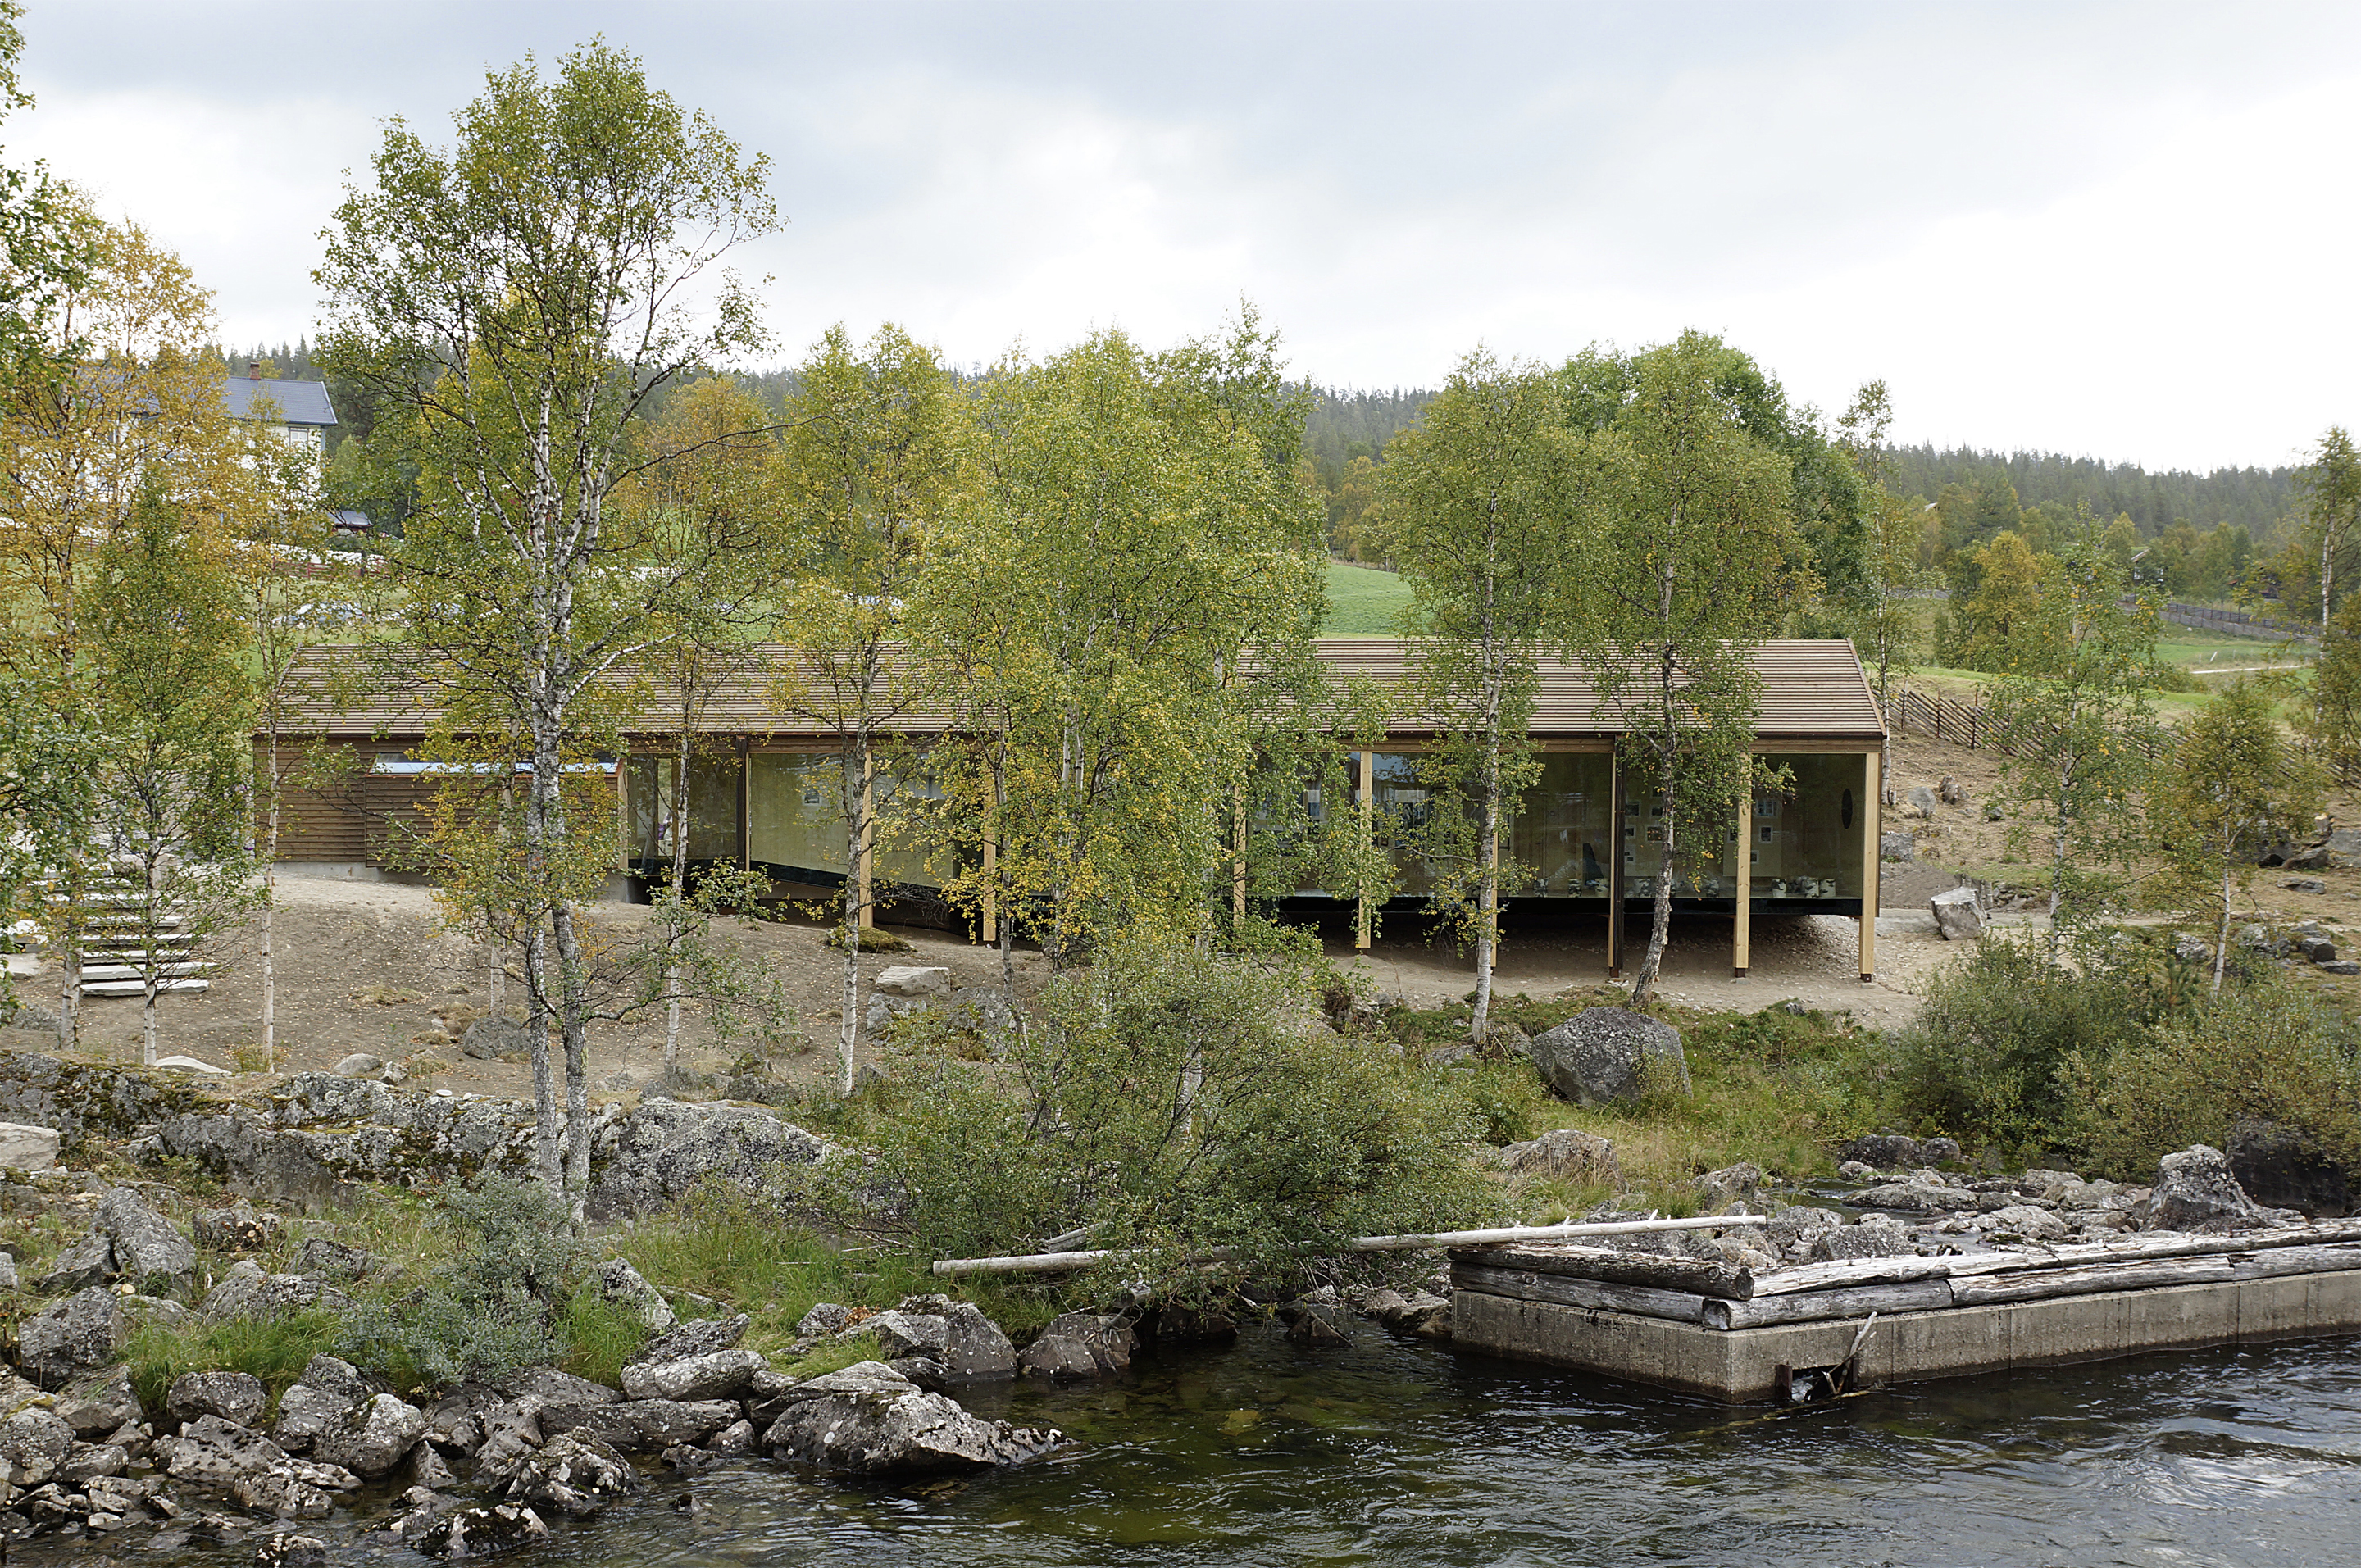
(1813, 689)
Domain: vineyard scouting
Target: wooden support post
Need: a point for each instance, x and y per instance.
(1615, 867)
(1239, 866)
(1742, 868)
(866, 864)
(1369, 831)
(991, 893)
(746, 806)
(1869, 818)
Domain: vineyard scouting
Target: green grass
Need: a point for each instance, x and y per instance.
(275, 1350)
(1363, 602)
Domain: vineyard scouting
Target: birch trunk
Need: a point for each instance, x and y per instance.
(545, 1093)
(271, 906)
(574, 1030)
(678, 917)
(854, 789)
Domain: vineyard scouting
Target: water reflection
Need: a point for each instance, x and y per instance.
(1396, 1453)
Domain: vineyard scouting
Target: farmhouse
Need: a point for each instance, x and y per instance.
(762, 793)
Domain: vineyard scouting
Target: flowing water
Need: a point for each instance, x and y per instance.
(1396, 1453)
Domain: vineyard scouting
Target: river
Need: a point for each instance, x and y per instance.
(1397, 1453)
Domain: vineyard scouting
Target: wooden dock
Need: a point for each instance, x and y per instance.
(1744, 1335)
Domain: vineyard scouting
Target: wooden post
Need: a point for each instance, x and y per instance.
(1368, 833)
(1870, 818)
(1742, 867)
(991, 893)
(864, 865)
(1615, 867)
(746, 806)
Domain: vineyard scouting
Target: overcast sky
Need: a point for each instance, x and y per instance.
(2125, 230)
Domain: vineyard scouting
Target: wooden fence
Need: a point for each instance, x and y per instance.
(1961, 724)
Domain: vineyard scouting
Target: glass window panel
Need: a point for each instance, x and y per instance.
(1708, 873)
(1405, 802)
(797, 823)
(901, 859)
(1808, 843)
(1565, 833)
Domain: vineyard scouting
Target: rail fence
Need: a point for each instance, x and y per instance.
(1963, 724)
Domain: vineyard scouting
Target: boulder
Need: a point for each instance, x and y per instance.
(2194, 1190)
(665, 1148)
(476, 1533)
(698, 1336)
(1952, 791)
(1957, 917)
(247, 1292)
(253, 1471)
(77, 1335)
(620, 1282)
(360, 1064)
(901, 1334)
(1892, 1151)
(34, 1443)
(974, 1349)
(1565, 1154)
(149, 1248)
(1595, 1056)
(27, 1147)
(1921, 800)
(1918, 1198)
(322, 1400)
(1422, 1313)
(557, 1389)
(912, 980)
(2282, 1167)
(90, 1261)
(661, 1423)
(574, 1474)
(869, 1420)
(2025, 1220)
(2344, 849)
(237, 1398)
(1323, 1326)
(99, 1403)
(496, 1039)
(1846, 1242)
(825, 1319)
(716, 1375)
(1079, 1346)
(1900, 848)
(1797, 1225)
(1739, 1183)
(285, 1551)
(241, 1227)
(373, 1438)
(321, 1255)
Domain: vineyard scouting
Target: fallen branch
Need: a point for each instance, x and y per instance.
(1063, 1262)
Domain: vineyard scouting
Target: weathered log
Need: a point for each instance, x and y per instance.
(1567, 1290)
(1658, 1271)
(1919, 1296)
(1854, 1272)
(1064, 1262)
(2297, 1260)
(2051, 1282)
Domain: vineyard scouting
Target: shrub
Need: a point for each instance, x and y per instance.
(1986, 1058)
(1177, 1101)
(495, 1308)
(2268, 1052)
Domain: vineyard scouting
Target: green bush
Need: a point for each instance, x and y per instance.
(496, 1307)
(2268, 1052)
(1177, 1101)
(1986, 1059)
(1505, 1098)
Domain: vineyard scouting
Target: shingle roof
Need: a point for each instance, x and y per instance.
(1813, 688)
(300, 402)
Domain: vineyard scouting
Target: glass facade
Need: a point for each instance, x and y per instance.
(1809, 843)
(795, 823)
(1565, 832)
(708, 815)
(1708, 875)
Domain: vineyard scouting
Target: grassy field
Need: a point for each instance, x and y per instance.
(1362, 602)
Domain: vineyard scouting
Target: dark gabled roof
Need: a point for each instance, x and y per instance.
(300, 402)
(1813, 689)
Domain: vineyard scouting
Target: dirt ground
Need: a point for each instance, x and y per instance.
(366, 967)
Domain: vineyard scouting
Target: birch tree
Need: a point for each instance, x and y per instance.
(514, 301)
(874, 449)
(2234, 787)
(2330, 487)
(1676, 576)
(1476, 505)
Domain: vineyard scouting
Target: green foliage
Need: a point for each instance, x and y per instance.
(1685, 566)
(497, 1306)
(1987, 1058)
(2266, 1051)
(834, 1356)
(1174, 1101)
(1504, 1097)
(2235, 785)
(275, 1350)
(600, 1336)
(2334, 725)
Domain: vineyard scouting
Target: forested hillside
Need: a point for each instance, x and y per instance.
(2253, 498)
